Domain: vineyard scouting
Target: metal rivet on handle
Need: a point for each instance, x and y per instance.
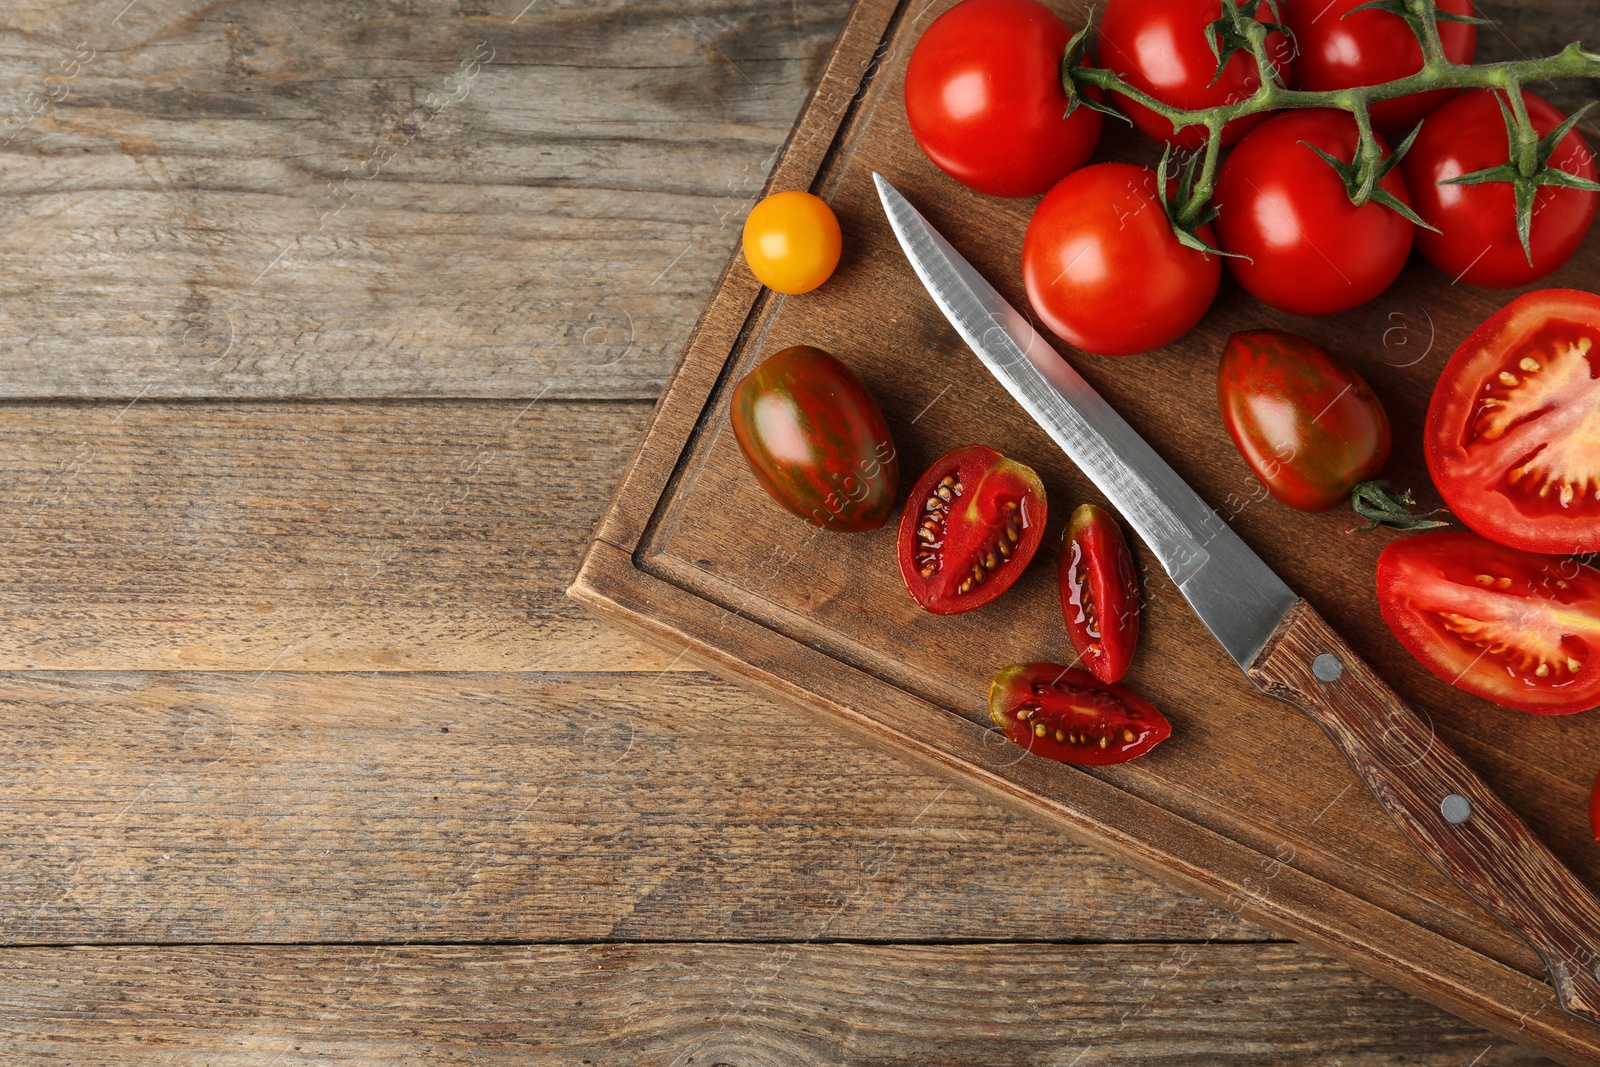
(1327, 667)
(1455, 808)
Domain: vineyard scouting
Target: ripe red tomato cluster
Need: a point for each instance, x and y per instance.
(1103, 266)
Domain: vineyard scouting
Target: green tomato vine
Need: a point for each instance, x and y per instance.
(1239, 29)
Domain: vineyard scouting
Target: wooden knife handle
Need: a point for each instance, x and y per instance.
(1452, 817)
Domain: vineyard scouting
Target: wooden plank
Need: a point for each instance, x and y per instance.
(395, 199)
(782, 1005)
(376, 536)
(299, 807)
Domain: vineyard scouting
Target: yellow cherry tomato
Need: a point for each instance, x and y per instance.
(791, 241)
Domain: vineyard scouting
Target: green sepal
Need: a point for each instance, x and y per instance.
(1525, 187)
(1071, 60)
(1361, 183)
(1378, 503)
(1187, 233)
(1227, 35)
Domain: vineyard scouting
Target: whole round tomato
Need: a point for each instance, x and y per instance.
(1103, 268)
(985, 102)
(816, 440)
(1513, 430)
(1072, 716)
(1099, 593)
(972, 523)
(1310, 250)
(792, 242)
(1517, 628)
(1477, 240)
(1337, 47)
(1309, 427)
(1161, 47)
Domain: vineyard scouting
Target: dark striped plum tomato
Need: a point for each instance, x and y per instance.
(816, 439)
(1517, 628)
(1310, 428)
(970, 527)
(1070, 715)
(1099, 593)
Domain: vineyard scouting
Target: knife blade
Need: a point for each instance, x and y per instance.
(1278, 640)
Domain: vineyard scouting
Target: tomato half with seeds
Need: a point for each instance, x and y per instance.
(971, 525)
(1099, 593)
(816, 439)
(1309, 427)
(1513, 430)
(1518, 628)
(1070, 715)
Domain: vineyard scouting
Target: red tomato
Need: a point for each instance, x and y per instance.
(1335, 49)
(985, 102)
(1309, 427)
(1160, 47)
(816, 440)
(1311, 251)
(1103, 269)
(1516, 628)
(1099, 593)
(1477, 240)
(971, 525)
(1071, 716)
(1513, 431)
(1594, 808)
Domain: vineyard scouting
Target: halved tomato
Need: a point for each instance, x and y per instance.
(1513, 431)
(971, 525)
(1099, 593)
(1517, 628)
(1069, 715)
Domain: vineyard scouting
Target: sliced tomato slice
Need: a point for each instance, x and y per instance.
(1099, 593)
(1513, 432)
(1517, 628)
(971, 524)
(1069, 715)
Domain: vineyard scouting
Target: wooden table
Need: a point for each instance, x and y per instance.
(328, 328)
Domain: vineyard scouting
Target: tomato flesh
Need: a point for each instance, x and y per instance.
(1310, 428)
(1307, 248)
(1477, 242)
(1069, 715)
(1099, 593)
(1103, 269)
(1517, 628)
(1160, 47)
(984, 98)
(1513, 430)
(970, 526)
(816, 439)
(1337, 47)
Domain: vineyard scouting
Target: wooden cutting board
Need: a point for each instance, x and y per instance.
(1247, 804)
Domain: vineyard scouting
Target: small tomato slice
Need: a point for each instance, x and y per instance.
(1513, 627)
(816, 440)
(1069, 715)
(1513, 430)
(1309, 427)
(971, 525)
(1099, 593)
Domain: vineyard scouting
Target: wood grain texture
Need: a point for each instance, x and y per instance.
(295, 198)
(1485, 847)
(774, 1005)
(304, 807)
(377, 536)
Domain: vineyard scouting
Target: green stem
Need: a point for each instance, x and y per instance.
(1368, 152)
(1527, 146)
(1422, 11)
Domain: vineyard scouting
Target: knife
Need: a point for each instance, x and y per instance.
(1282, 645)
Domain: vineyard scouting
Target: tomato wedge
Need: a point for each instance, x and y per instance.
(1069, 715)
(1099, 593)
(1513, 431)
(1517, 628)
(971, 525)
